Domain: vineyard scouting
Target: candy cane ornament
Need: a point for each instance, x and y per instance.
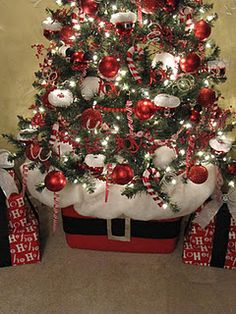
(54, 134)
(130, 61)
(146, 178)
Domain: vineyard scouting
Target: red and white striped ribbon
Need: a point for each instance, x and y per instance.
(152, 173)
(24, 178)
(186, 17)
(130, 61)
(75, 18)
(56, 209)
(54, 133)
(190, 150)
(129, 110)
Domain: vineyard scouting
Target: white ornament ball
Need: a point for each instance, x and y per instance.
(61, 98)
(167, 60)
(167, 101)
(90, 87)
(163, 156)
(94, 161)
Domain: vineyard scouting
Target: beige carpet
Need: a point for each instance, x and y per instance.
(90, 282)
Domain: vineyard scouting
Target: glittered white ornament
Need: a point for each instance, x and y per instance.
(167, 60)
(51, 25)
(167, 101)
(90, 87)
(221, 145)
(94, 161)
(121, 17)
(64, 148)
(217, 67)
(27, 135)
(163, 156)
(61, 98)
(124, 22)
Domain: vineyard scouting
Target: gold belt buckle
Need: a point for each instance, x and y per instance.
(126, 237)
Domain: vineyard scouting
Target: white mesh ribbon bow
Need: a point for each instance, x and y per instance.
(7, 183)
(209, 211)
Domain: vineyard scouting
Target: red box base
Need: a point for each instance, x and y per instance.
(102, 243)
(136, 245)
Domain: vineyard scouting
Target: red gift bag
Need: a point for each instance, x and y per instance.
(19, 226)
(214, 245)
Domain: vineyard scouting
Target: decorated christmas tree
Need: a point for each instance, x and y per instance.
(127, 117)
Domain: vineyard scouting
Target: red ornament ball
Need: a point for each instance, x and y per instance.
(195, 115)
(231, 168)
(66, 35)
(109, 67)
(206, 97)
(55, 181)
(89, 7)
(190, 63)
(78, 56)
(33, 151)
(202, 30)
(44, 97)
(91, 119)
(144, 109)
(198, 174)
(122, 174)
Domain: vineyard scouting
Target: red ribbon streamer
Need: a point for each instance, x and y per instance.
(108, 180)
(55, 211)
(190, 150)
(140, 14)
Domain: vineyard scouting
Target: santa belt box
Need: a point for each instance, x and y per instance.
(214, 245)
(19, 232)
(120, 234)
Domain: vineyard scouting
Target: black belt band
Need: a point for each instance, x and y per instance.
(221, 237)
(142, 229)
(5, 255)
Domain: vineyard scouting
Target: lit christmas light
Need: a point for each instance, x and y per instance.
(168, 169)
(232, 184)
(210, 18)
(72, 83)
